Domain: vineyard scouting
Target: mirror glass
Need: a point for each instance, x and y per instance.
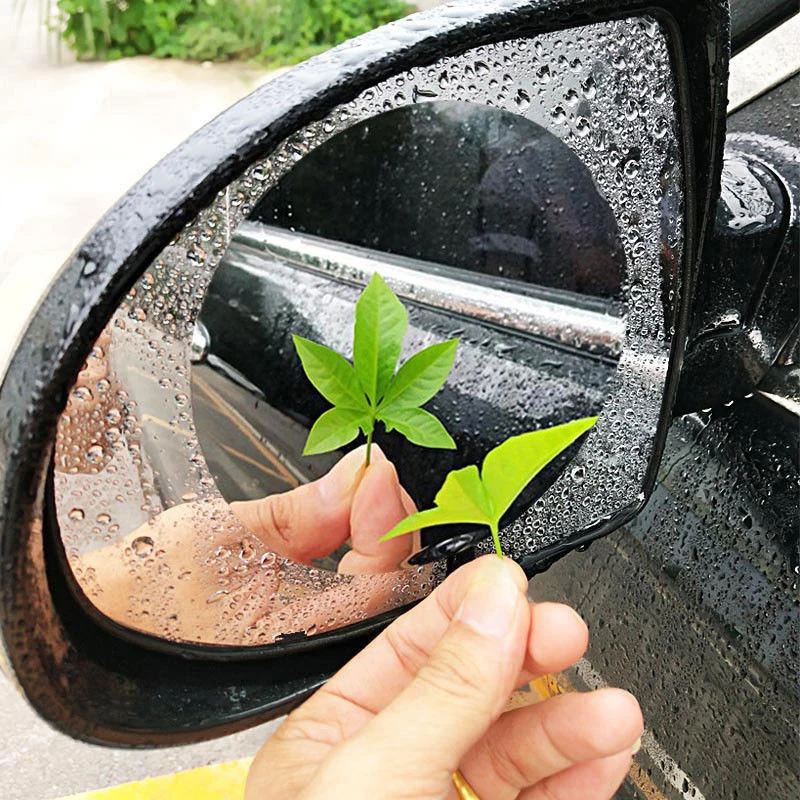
(524, 197)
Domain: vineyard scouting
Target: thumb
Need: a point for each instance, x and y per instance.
(313, 519)
(463, 687)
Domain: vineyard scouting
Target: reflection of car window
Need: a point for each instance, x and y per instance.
(458, 184)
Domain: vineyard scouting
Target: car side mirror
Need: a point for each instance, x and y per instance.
(538, 175)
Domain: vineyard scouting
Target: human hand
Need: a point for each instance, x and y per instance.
(427, 696)
(214, 570)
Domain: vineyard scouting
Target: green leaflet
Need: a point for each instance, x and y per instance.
(331, 374)
(418, 426)
(381, 324)
(335, 428)
(469, 497)
(512, 465)
(368, 390)
(422, 375)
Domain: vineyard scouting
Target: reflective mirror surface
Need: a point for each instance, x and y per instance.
(524, 197)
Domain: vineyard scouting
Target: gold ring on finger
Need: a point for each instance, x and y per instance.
(463, 789)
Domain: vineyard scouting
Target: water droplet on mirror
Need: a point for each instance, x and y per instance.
(94, 453)
(582, 127)
(142, 546)
(246, 550)
(77, 514)
(522, 100)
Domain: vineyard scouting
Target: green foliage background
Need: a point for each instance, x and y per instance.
(269, 31)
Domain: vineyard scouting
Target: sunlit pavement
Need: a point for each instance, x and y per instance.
(73, 138)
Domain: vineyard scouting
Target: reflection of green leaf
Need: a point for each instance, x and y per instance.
(335, 428)
(381, 324)
(331, 374)
(422, 375)
(418, 426)
(368, 390)
(469, 497)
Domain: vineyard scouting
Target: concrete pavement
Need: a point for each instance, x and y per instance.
(73, 138)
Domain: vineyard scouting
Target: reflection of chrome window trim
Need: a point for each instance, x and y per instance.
(431, 285)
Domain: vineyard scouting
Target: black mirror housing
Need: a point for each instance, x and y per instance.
(85, 680)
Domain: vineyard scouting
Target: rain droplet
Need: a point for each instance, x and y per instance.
(142, 546)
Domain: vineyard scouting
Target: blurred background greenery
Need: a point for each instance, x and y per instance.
(271, 32)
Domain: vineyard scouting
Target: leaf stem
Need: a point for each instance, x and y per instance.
(369, 444)
(496, 538)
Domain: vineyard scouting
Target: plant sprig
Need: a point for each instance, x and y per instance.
(469, 496)
(368, 390)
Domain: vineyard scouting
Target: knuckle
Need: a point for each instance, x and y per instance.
(303, 728)
(507, 763)
(560, 753)
(410, 655)
(453, 673)
(278, 515)
(547, 792)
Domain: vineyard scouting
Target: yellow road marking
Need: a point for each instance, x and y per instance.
(216, 782)
(242, 457)
(219, 403)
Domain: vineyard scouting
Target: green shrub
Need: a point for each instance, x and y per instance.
(270, 31)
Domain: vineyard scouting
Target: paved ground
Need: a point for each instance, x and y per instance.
(73, 137)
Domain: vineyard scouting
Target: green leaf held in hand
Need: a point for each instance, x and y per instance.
(368, 391)
(468, 496)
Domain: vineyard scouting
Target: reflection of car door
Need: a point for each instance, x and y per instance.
(489, 227)
(504, 382)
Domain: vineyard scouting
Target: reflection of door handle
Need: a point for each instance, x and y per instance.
(568, 318)
(200, 344)
(449, 547)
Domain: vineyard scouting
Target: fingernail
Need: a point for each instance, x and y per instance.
(342, 479)
(637, 746)
(491, 600)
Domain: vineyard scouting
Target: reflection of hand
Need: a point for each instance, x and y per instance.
(316, 518)
(427, 696)
(205, 571)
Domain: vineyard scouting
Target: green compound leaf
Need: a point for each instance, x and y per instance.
(469, 497)
(368, 390)
(512, 465)
(381, 324)
(331, 374)
(418, 426)
(335, 428)
(422, 375)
